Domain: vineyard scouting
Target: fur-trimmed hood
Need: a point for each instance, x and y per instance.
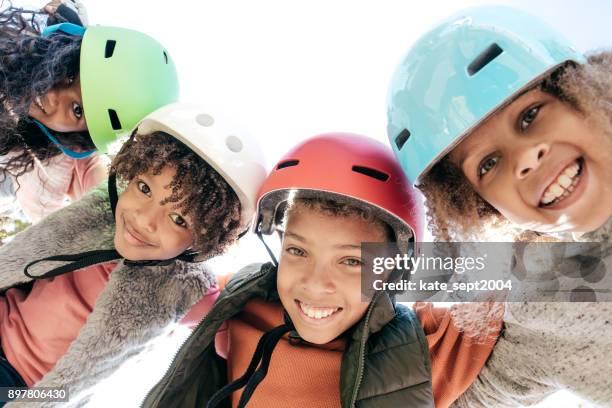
(137, 303)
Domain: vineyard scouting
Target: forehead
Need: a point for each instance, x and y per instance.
(317, 225)
(65, 87)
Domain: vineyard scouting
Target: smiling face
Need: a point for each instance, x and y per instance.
(319, 274)
(146, 230)
(541, 165)
(60, 109)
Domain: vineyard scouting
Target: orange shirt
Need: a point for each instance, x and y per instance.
(36, 328)
(458, 351)
(311, 378)
(308, 376)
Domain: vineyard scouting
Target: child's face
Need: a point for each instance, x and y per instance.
(319, 275)
(146, 230)
(540, 165)
(60, 109)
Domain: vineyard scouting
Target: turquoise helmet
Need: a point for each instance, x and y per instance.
(461, 72)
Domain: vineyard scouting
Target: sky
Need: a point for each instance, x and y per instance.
(288, 70)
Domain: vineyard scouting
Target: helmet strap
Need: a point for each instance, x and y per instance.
(66, 28)
(78, 261)
(260, 236)
(253, 376)
(70, 153)
(113, 197)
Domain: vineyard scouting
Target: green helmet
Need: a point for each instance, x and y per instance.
(125, 75)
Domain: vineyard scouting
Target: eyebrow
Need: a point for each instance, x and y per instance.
(295, 236)
(304, 240)
(348, 246)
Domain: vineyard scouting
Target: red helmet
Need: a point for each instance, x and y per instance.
(350, 168)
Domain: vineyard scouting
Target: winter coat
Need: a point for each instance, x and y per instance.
(137, 303)
(386, 362)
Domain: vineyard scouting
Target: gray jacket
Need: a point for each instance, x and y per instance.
(549, 346)
(135, 306)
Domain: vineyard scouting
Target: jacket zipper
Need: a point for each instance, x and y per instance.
(361, 355)
(164, 379)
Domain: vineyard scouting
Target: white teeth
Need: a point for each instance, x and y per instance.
(317, 312)
(564, 181)
(572, 170)
(555, 189)
(563, 185)
(38, 102)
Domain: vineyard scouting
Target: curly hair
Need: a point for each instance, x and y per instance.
(334, 208)
(456, 212)
(198, 191)
(30, 66)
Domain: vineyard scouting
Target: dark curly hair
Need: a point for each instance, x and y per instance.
(30, 66)
(198, 191)
(456, 212)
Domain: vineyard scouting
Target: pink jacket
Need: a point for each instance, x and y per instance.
(48, 188)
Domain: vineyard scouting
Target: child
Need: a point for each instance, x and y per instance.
(329, 194)
(66, 11)
(190, 186)
(512, 135)
(70, 90)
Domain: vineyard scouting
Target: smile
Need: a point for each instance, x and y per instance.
(564, 185)
(39, 105)
(132, 237)
(317, 313)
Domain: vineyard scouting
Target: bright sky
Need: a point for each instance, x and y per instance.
(288, 70)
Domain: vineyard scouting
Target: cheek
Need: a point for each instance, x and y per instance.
(118, 221)
(501, 193)
(284, 282)
(352, 288)
(177, 241)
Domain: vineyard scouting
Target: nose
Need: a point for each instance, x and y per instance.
(147, 219)
(319, 281)
(529, 159)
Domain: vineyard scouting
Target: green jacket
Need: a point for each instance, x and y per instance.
(386, 362)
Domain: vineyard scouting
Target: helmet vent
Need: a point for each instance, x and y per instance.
(114, 119)
(165, 56)
(287, 163)
(484, 58)
(402, 138)
(110, 48)
(378, 175)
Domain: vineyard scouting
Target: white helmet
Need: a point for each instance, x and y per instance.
(225, 146)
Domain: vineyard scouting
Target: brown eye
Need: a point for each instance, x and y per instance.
(527, 117)
(486, 165)
(352, 262)
(143, 187)
(77, 110)
(295, 251)
(178, 220)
